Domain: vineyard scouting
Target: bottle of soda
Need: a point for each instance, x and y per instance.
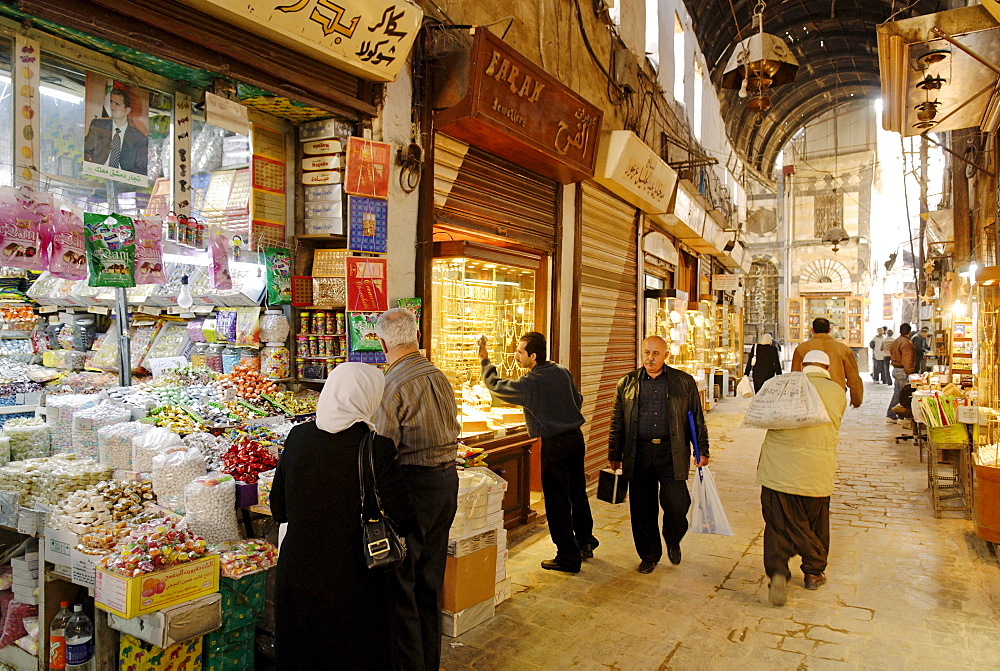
(57, 638)
(79, 641)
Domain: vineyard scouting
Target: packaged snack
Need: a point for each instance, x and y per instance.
(247, 326)
(221, 279)
(279, 276)
(23, 215)
(210, 503)
(225, 325)
(68, 259)
(110, 249)
(149, 251)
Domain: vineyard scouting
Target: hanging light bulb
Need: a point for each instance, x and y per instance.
(184, 299)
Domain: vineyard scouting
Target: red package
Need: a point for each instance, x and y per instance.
(149, 250)
(25, 227)
(68, 259)
(13, 622)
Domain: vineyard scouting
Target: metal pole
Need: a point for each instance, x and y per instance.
(922, 228)
(124, 353)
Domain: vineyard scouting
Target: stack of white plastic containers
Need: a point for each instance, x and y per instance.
(476, 578)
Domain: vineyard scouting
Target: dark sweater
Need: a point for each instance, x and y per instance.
(547, 393)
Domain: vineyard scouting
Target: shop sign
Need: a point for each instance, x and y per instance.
(367, 38)
(686, 215)
(517, 111)
(660, 246)
(825, 288)
(725, 282)
(629, 168)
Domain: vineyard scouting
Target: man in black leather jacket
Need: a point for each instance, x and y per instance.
(651, 442)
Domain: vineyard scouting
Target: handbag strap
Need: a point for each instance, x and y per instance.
(365, 458)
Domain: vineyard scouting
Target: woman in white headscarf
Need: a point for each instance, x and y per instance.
(764, 362)
(330, 609)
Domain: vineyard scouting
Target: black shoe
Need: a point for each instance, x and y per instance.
(674, 554)
(559, 565)
(646, 566)
(587, 549)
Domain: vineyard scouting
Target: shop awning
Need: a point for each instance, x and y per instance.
(685, 218)
(940, 72)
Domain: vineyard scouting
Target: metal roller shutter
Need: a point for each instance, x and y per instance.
(607, 311)
(479, 192)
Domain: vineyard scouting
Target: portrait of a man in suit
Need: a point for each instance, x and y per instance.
(114, 140)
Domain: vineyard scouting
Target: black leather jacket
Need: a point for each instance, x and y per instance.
(683, 398)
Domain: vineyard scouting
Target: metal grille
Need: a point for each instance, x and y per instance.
(608, 315)
(760, 301)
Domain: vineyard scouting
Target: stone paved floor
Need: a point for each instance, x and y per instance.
(905, 590)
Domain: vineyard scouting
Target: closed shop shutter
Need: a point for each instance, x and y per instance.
(607, 311)
(476, 191)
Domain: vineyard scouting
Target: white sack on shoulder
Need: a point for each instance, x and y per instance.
(788, 401)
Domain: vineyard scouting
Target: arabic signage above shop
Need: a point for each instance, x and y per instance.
(629, 168)
(367, 38)
(515, 110)
(686, 216)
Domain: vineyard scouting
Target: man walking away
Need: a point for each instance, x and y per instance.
(903, 356)
(921, 346)
(796, 475)
(886, 344)
(651, 442)
(843, 363)
(878, 357)
(552, 405)
(419, 414)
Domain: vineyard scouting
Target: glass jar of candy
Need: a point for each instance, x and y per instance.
(231, 356)
(249, 358)
(274, 361)
(213, 358)
(198, 356)
(274, 326)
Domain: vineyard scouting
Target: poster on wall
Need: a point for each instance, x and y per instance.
(367, 168)
(366, 289)
(116, 145)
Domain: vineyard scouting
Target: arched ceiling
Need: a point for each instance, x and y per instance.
(834, 42)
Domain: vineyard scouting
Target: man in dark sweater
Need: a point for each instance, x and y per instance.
(552, 405)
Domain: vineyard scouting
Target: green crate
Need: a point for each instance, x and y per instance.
(237, 657)
(242, 600)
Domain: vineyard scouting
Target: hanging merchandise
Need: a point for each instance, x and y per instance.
(68, 258)
(149, 251)
(369, 224)
(221, 279)
(279, 276)
(363, 338)
(24, 225)
(110, 249)
(247, 326)
(366, 284)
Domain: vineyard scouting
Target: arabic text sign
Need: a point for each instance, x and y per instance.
(725, 282)
(368, 38)
(632, 170)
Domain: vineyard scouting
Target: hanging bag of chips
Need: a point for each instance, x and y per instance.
(110, 249)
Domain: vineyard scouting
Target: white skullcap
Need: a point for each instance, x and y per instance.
(816, 356)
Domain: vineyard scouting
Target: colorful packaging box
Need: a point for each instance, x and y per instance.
(130, 597)
(231, 650)
(136, 655)
(242, 601)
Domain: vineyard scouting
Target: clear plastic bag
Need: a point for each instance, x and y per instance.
(210, 504)
(706, 515)
(147, 445)
(787, 401)
(173, 469)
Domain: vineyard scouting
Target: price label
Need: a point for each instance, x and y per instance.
(27, 522)
(99, 310)
(147, 310)
(48, 309)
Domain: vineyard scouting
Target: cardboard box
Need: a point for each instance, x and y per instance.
(58, 545)
(20, 563)
(131, 597)
(137, 655)
(469, 580)
(25, 594)
(246, 494)
(31, 582)
(242, 600)
(230, 651)
(83, 568)
(502, 591)
(173, 624)
(494, 501)
(456, 624)
(459, 547)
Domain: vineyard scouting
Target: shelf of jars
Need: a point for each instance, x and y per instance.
(319, 340)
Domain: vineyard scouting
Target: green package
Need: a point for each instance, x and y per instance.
(110, 249)
(362, 335)
(279, 276)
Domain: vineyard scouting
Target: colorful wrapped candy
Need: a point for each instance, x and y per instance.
(248, 556)
(247, 458)
(153, 546)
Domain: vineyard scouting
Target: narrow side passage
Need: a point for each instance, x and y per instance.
(905, 590)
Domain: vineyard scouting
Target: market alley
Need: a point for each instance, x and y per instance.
(905, 591)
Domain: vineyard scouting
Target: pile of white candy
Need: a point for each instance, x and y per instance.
(147, 445)
(87, 422)
(114, 443)
(173, 469)
(210, 502)
(30, 438)
(82, 511)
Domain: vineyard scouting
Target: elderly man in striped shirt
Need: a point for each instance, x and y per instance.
(418, 412)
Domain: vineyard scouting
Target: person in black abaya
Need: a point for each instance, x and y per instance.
(764, 362)
(331, 611)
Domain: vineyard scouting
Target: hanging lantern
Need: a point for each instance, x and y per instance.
(759, 63)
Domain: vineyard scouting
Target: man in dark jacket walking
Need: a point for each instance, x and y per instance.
(651, 442)
(552, 405)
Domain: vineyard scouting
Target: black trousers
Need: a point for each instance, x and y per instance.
(795, 525)
(564, 485)
(653, 487)
(418, 581)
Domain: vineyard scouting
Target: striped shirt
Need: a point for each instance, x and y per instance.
(418, 412)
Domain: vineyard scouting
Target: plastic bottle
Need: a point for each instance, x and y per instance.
(57, 638)
(79, 641)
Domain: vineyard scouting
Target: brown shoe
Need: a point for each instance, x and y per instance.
(815, 580)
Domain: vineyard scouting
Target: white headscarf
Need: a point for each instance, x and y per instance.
(765, 339)
(352, 394)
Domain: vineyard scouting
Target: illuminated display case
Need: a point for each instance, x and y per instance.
(842, 311)
(698, 351)
(475, 296)
(729, 340)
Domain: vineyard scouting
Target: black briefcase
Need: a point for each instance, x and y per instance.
(611, 486)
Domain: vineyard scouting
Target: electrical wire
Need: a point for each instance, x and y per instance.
(909, 224)
(590, 48)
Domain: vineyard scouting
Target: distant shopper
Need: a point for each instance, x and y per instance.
(796, 475)
(843, 363)
(552, 403)
(418, 412)
(764, 362)
(921, 346)
(904, 363)
(651, 442)
(316, 493)
(886, 344)
(879, 373)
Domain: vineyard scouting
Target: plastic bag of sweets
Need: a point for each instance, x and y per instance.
(13, 622)
(68, 258)
(110, 249)
(22, 219)
(149, 250)
(248, 326)
(210, 505)
(147, 445)
(173, 469)
(221, 279)
(29, 438)
(225, 325)
(279, 276)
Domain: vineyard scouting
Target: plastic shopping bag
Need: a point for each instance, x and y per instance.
(787, 401)
(706, 515)
(745, 388)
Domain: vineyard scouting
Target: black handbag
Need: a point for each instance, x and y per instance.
(382, 546)
(612, 487)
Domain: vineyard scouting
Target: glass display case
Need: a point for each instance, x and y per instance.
(474, 297)
(729, 340)
(698, 351)
(803, 309)
(665, 317)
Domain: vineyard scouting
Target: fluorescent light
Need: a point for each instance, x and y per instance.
(61, 94)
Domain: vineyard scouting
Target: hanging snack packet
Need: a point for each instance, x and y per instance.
(279, 276)
(221, 279)
(24, 229)
(110, 249)
(225, 325)
(248, 326)
(149, 250)
(68, 259)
